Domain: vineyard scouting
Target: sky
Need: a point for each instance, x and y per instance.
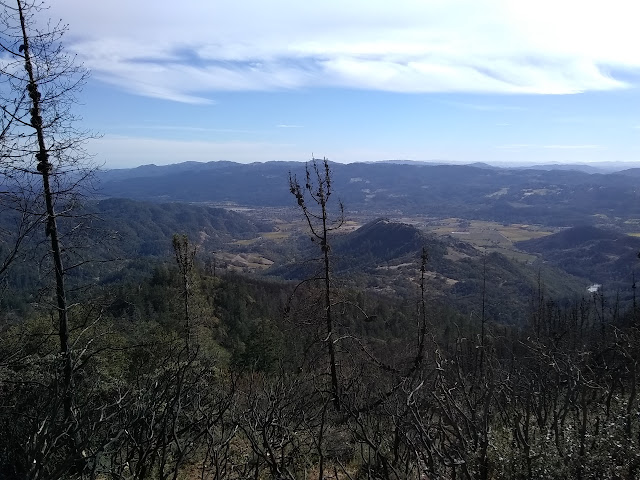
(512, 81)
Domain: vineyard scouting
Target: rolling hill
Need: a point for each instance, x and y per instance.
(603, 256)
(384, 256)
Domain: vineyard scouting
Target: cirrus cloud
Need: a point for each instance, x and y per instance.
(188, 51)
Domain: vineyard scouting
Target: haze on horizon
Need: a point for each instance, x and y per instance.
(449, 80)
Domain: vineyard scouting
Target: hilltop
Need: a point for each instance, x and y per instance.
(384, 256)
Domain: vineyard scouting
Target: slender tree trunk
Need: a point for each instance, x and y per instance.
(483, 319)
(44, 167)
(327, 299)
(320, 194)
(423, 309)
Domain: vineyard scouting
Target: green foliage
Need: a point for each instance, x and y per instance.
(263, 350)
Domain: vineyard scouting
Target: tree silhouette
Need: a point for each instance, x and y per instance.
(317, 187)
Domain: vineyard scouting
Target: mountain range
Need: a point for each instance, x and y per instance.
(559, 197)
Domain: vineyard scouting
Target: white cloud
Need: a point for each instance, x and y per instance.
(186, 51)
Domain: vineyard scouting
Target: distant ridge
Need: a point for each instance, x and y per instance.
(551, 197)
(412, 162)
(633, 172)
(482, 165)
(569, 167)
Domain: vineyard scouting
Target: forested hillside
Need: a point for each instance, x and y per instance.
(559, 197)
(604, 256)
(238, 386)
(448, 361)
(301, 320)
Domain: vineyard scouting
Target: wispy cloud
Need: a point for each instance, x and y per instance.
(185, 52)
(572, 147)
(181, 128)
(484, 107)
(517, 146)
(284, 125)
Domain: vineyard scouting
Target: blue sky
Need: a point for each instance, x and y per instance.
(449, 80)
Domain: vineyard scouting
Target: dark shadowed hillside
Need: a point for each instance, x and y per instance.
(382, 240)
(570, 238)
(603, 256)
(105, 236)
(143, 228)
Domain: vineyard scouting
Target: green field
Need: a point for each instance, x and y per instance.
(490, 236)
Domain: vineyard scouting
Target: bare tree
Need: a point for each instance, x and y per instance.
(318, 188)
(41, 147)
(42, 166)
